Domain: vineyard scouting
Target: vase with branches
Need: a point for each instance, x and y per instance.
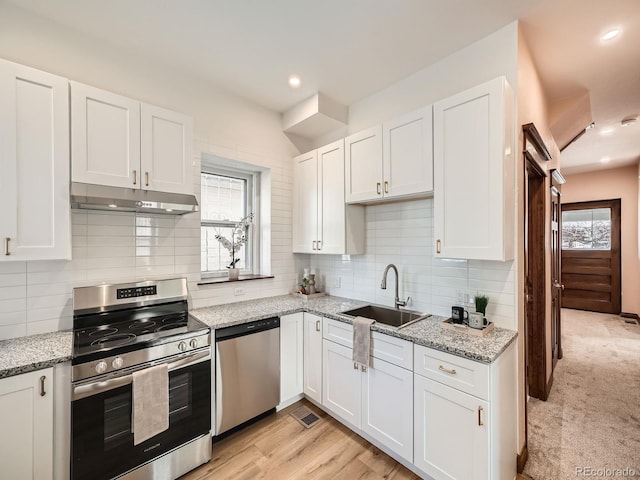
(237, 240)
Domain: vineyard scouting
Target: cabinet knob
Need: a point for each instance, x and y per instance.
(6, 245)
(135, 177)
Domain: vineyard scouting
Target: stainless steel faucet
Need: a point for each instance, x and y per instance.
(383, 285)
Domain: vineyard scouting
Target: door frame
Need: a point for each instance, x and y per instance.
(557, 180)
(615, 204)
(535, 196)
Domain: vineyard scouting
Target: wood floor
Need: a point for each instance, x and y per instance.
(278, 447)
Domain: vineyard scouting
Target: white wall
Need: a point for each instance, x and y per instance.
(402, 233)
(36, 296)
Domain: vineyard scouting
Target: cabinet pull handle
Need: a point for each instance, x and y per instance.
(317, 325)
(146, 178)
(42, 391)
(378, 188)
(480, 417)
(438, 245)
(355, 366)
(319, 244)
(6, 245)
(135, 177)
(386, 187)
(314, 245)
(446, 370)
(363, 368)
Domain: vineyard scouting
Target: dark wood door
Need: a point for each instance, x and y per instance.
(556, 253)
(591, 256)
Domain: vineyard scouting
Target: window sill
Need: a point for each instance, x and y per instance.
(243, 278)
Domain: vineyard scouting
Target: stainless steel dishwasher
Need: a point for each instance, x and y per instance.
(247, 372)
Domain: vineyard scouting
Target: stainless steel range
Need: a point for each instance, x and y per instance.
(128, 338)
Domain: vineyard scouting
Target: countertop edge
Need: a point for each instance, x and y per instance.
(32, 367)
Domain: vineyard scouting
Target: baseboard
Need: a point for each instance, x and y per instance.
(547, 388)
(634, 316)
(523, 456)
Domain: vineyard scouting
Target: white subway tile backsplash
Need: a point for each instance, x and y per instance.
(402, 233)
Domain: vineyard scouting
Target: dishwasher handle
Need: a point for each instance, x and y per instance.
(227, 333)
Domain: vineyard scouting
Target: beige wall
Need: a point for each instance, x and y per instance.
(532, 108)
(609, 184)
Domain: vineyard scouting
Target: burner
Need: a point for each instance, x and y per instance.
(114, 340)
(143, 325)
(102, 331)
(169, 326)
(172, 318)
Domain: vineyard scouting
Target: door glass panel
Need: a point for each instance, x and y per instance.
(588, 229)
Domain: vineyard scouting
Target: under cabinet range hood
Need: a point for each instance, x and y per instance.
(100, 197)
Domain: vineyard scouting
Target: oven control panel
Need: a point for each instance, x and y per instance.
(133, 292)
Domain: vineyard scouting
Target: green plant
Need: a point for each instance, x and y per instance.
(481, 303)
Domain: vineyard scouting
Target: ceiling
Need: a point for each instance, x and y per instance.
(349, 49)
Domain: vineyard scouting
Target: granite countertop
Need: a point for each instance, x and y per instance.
(25, 354)
(427, 332)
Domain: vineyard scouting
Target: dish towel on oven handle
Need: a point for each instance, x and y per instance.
(362, 342)
(150, 403)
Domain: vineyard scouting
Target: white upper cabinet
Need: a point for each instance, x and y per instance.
(105, 137)
(407, 154)
(118, 141)
(322, 223)
(166, 143)
(474, 180)
(391, 161)
(35, 221)
(363, 165)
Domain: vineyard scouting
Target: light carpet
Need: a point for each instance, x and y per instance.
(591, 420)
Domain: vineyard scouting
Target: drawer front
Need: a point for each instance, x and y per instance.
(393, 350)
(338, 332)
(457, 372)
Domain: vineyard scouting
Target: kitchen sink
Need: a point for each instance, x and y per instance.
(386, 315)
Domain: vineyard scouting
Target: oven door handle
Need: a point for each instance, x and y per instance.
(100, 386)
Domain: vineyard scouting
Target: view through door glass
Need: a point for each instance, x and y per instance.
(591, 256)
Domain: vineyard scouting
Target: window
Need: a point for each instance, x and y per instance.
(586, 229)
(227, 197)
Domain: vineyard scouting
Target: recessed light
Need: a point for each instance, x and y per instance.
(294, 81)
(113, 205)
(590, 126)
(611, 34)
(606, 131)
(605, 159)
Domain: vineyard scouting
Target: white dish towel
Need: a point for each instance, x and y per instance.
(150, 399)
(362, 342)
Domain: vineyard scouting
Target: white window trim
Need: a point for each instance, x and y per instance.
(255, 184)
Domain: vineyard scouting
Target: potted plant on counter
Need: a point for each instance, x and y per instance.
(481, 304)
(238, 239)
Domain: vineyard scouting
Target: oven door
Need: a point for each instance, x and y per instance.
(102, 443)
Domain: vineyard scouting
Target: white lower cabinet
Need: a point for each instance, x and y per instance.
(291, 358)
(451, 432)
(341, 383)
(312, 369)
(378, 401)
(26, 416)
(387, 414)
